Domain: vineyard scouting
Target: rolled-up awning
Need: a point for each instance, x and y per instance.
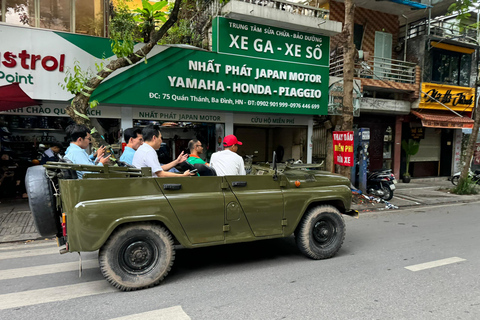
(13, 97)
(443, 119)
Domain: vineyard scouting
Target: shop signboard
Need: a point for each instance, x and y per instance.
(188, 78)
(269, 119)
(417, 133)
(437, 96)
(261, 41)
(58, 110)
(177, 115)
(343, 148)
(39, 59)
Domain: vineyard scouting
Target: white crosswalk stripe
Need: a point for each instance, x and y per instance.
(46, 269)
(28, 253)
(28, 245)
(35, 297)
(434, 264)
(173, 313)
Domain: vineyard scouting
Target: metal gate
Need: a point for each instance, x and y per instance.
(319, 141)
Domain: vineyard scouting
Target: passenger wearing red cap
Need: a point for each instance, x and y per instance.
(228, 162)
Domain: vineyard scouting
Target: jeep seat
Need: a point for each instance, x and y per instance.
(68, 173)
(184, 166)
(204, 170)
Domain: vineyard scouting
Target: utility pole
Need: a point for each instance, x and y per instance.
(348, 69)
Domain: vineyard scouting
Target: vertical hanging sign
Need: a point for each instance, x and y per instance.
(343, 148)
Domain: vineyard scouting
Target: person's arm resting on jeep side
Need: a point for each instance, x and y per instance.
(181, 158)
(163, 174)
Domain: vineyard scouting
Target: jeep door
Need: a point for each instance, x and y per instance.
(199, 205)
(261, 199)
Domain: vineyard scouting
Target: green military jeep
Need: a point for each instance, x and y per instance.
(134, 219)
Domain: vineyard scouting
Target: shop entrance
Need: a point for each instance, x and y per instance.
(288, 142)
(446, 152)
(176, 135)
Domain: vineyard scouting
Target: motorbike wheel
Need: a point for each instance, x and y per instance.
(387, 192)
(455, 180)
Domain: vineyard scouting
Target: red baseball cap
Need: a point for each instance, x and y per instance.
(230, 140)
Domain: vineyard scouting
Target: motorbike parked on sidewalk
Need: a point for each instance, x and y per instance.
(381, 183)
(475, 176)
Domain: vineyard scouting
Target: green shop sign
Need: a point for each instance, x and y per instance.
(261, 41)
(195, 79)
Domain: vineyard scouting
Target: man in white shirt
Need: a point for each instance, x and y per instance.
(146, 156)
(228, 162)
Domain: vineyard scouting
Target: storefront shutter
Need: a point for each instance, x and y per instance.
(429, 147)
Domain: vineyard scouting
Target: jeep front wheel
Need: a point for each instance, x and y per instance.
(321, 232)
(137, 256)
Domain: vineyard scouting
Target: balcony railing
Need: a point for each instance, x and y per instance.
(447, 29)
(377, 68)
(211, 8)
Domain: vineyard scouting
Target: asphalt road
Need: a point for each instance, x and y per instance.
(411, 264)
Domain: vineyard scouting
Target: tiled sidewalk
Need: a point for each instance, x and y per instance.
(16, 222)
(17, 226)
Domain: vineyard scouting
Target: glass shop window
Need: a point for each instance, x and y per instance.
(451, 67)
(89, 17)
(17, 12)
(55, 14)
(79, 16)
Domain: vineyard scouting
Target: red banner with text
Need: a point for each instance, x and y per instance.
(343, 148)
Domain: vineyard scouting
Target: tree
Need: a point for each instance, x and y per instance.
(473, 137)
(345, 122)
(123, 40)
(463, 9)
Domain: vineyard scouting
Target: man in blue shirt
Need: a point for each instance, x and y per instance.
(134, 139)
(80, 140)
(51, 154)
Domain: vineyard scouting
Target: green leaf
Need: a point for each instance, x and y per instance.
(147, 5)
(159, 5)
(94, 104)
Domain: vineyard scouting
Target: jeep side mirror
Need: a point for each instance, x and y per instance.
(275, 176)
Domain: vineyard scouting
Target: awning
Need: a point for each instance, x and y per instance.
(413, 4)
(442, 119)
(13, 97)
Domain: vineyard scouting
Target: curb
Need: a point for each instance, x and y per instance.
(416, 205)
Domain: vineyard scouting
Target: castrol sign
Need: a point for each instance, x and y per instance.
(39, 59)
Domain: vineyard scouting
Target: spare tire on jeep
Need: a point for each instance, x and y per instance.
(42, 201)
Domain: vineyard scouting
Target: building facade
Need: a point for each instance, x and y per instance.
(213, 104)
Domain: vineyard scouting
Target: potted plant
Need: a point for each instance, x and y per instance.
(411, 148)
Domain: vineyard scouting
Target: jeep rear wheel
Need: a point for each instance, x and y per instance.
(137, 256)
(42, 201)
(321, 232)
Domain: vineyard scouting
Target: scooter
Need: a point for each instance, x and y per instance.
(475, 176)
(381, 183)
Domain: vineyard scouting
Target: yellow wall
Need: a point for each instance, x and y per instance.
(133, 4)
